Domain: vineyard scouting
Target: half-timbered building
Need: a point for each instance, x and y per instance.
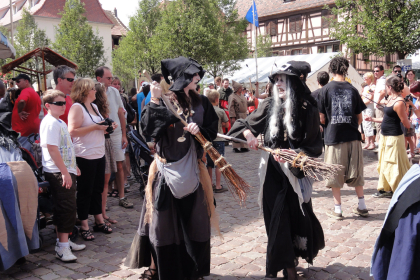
(302, 27)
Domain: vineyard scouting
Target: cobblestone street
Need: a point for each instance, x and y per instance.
(241, 254)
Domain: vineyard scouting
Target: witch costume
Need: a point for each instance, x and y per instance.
(178, 208)
(285, 195)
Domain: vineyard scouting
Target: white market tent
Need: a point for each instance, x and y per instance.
(266, 65)
(415, 62)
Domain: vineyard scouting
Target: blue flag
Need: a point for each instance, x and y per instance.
(250, 16)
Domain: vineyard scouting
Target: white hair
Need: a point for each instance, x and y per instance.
(278, 105)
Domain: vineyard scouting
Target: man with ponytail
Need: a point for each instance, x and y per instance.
(340, 107)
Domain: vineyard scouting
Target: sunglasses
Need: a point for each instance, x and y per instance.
(108, 78)
(69, 79)
(397, 71)
(58, 103)
(376, 71)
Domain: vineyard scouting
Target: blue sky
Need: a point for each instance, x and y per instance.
(125, 8)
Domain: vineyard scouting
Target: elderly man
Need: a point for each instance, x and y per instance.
(64, 79)
(119, 139)
(25, 115)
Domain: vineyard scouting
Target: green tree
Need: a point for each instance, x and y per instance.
(27, 38)
(377, 26)
(76, 40)
(206, 30)
(135, 51)
(264, 43)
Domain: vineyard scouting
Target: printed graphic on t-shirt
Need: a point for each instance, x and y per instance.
(341, 106)
(66, 149)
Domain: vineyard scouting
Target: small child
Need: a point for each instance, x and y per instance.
(218, 143)
(60, 170)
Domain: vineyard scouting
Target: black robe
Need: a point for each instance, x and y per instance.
(178, 236)
(290, 233)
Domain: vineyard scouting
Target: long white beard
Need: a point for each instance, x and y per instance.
(287, 105)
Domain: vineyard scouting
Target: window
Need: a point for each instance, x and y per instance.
(321, 49)
(295, 24)
(329, 48)
(272, 28)
(336, 48)
(297, 52)
(15, 10)
(31, 3)
(116, 41)
(326, 17)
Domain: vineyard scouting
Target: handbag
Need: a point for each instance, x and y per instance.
(131, 113)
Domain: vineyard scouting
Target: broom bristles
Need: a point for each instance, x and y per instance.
(236, 185)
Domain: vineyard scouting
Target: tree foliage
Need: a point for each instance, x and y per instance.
(377, 26)
(76, 40)
(135, 51)
(27, 38)
(206, 30)
(264, 43)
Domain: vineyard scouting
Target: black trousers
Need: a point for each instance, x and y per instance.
(90, 185)
(64, 202)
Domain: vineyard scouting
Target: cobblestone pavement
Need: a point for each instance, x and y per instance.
(241, 254)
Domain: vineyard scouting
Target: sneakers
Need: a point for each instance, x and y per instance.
(64, 254)
(337, 216)
(382, 194)
(73, 246)
(76, 247)
(124, 203)
(363, 213)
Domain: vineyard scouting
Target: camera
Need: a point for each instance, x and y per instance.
(108, 122)
(407, 98)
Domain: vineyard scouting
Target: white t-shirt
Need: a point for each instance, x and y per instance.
(115, 103)
(380, 85)
(54, 132)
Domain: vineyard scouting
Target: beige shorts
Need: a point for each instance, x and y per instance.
(379, 113)
(350, 155)
(118, 150)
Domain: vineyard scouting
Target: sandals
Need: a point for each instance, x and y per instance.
(151, 276)
(223, 189)
(114, 193)
(111, 221)
(86, 235)
(102, 228)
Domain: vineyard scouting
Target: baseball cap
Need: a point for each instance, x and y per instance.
(145, 84)
(22, 76)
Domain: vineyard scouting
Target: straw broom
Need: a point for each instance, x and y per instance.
(311, 167)
(236, 185)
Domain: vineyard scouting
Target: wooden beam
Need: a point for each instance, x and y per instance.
(27, 69)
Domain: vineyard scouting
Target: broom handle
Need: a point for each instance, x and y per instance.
(261, 147)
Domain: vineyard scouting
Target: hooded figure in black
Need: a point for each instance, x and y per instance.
(173, 238)
(288, 120)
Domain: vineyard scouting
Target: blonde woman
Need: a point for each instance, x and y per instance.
(89, 145)
(367, 97)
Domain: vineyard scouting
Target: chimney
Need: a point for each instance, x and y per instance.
(115, 12)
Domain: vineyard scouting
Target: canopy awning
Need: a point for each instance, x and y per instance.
(6, 49)
(268, 65)
(47, 54)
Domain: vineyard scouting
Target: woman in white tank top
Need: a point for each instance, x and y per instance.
(89, 144)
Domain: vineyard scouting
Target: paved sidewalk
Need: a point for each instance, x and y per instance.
(241, 254)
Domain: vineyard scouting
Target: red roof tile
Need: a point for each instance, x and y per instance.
(119, 28)
(94, 11)
(274, 7)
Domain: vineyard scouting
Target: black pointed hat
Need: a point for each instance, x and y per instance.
(295, 69)
(181, 71)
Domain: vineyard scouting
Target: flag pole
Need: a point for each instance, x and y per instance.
(255, 41)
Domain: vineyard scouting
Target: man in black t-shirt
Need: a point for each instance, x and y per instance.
(340, 107)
